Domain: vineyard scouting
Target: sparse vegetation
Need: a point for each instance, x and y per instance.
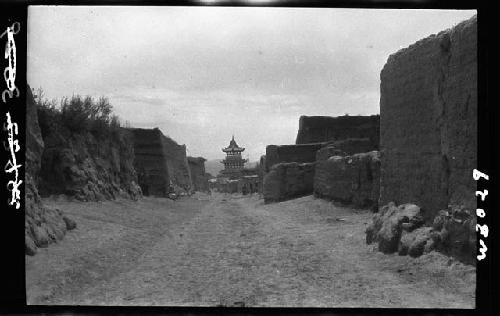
(77, 114)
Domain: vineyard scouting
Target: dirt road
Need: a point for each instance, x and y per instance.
(234, 251)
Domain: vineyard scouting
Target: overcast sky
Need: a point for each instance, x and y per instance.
(201, 74)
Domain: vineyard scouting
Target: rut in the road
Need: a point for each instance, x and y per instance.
(236, 251)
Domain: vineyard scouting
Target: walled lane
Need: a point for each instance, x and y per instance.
(235, 251)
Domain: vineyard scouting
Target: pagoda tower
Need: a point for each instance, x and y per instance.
(233, 164)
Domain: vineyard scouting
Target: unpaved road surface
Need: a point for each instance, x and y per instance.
(233, 251)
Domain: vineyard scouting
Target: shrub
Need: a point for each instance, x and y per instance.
(48, 114)
(115, 125)
(75, 113)
(78, 115)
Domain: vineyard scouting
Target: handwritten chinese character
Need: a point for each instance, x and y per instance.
(12, 166)
(9, 73)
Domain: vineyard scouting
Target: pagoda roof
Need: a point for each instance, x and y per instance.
(233, 146)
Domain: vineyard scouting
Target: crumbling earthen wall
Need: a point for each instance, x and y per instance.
(249, 184)
(161, 163)
(288, 180)
(315, 129)
(345, 147)
(150, 161)
(319, 138)
(226, 185)
(290, 153)
(262, 172)
(349, 179)
(177, 164)
(428, 111)
(198, 174)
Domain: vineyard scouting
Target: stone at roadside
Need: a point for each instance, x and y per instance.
(29, 245)
(417, 242)
(387, 225)
(40, 237)
(402, 229)
(456, 228)
(70, 224)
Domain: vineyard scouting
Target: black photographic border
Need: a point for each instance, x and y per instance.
(13, 290)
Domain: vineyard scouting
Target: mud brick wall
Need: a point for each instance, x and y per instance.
(428, 119)
(262, 172)
(230, 186)
(177, 164)
(198, 174)
(249, 184)
(150, 161)
(345, 147)
(314, 129)
(159, 162)
(349, 179)
(287, 181)
(290, 153)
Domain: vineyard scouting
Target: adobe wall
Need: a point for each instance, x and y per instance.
(318, 138)
(428, 119)
(349, 179)
(177, 164)
(150, 161)
(160, 162)
(198, 174)
(249, 184)
(290, 153)
(287, 181)
(314, 129)
(345, 147)
(227, 186)
(262, 172)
